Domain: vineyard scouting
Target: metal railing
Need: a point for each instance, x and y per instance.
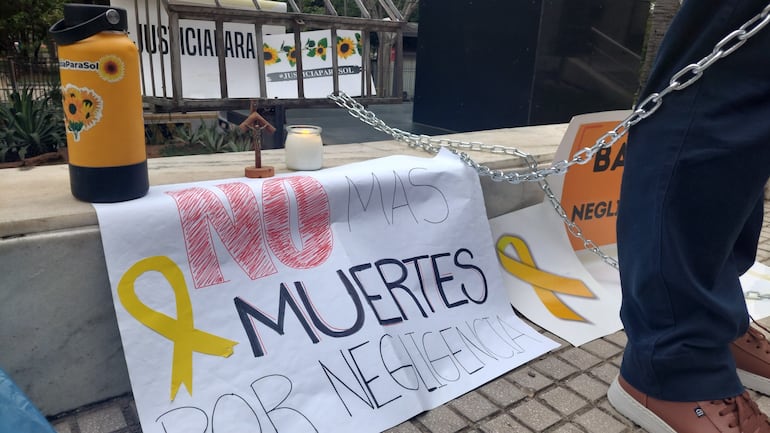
(170, 97)
(17, 75)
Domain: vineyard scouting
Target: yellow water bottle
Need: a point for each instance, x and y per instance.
(102, 100)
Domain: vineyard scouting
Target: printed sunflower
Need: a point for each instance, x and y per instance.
(291, 53)
(111, 68)
(270, 54)
(345, 47)
(82, 109)
(359, 44)
(317, 50)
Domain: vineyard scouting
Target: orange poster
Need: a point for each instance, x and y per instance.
(590, 193)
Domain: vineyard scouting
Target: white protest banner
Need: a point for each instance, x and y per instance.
(343, 300)
(547, 283)
(756, 289)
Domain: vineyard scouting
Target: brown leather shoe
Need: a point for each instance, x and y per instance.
(752, 357)
(731, 415)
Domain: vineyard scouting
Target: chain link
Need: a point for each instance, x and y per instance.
(679, 81)
(754, 295)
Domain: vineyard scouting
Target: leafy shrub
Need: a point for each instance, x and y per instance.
(238, 141)
(31, 125)
(159, 133)
(210, 138)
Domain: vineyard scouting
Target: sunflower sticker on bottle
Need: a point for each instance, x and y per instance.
(111, 68)
(82, 109)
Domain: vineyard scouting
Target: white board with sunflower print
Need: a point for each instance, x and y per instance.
(199, 56)
(317, 47)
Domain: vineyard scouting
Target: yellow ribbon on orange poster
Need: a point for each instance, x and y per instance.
(546, 284)
(180, 330)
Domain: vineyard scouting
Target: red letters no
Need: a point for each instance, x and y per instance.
(241, 234)
(313, 215)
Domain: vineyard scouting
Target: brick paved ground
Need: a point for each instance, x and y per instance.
(560, 392)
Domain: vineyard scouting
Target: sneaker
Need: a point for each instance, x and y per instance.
(738, 414)
(752, 358)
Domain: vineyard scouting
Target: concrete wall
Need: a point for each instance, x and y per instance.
(58, 332)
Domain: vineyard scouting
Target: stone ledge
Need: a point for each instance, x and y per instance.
(38, 199)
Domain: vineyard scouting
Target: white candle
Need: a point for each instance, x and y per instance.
(303, 147)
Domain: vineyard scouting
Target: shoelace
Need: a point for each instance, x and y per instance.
(745, 413)
(757, 337)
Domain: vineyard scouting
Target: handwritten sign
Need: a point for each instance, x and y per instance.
(343, 300)
(547, 282)
(590, 193)
(551, 278)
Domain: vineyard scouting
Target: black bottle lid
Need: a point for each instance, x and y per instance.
(83, 21)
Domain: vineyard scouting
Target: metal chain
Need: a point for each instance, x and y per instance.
(432, 145)
(754, 295)
(681, 80)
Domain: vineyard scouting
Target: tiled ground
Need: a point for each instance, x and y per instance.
(560, 392)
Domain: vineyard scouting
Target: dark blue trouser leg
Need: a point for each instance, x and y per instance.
(691, 208)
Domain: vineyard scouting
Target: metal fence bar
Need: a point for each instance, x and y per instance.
(164, 88)
(391, 10)
(398, 65)
(172, 96)
(176, 58)
(335, 62)
(366, 64)
(41, 77)
(260, 60)
(330, 8)
(298, 58)
(219, 40)
(139, 38)
(144, 34)
(363, 9)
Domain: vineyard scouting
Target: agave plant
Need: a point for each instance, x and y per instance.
(239, 141)
(30, 125)
(212, 139)
(187, 136)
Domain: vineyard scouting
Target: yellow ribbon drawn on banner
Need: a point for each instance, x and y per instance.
(546, 284)
(180, 331)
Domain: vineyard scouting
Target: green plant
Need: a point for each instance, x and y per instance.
(239, 141)
(158, 133)
(212, 139)
(187, 136)
(30, 125)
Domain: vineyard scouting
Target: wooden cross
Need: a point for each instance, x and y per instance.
(256, 124)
